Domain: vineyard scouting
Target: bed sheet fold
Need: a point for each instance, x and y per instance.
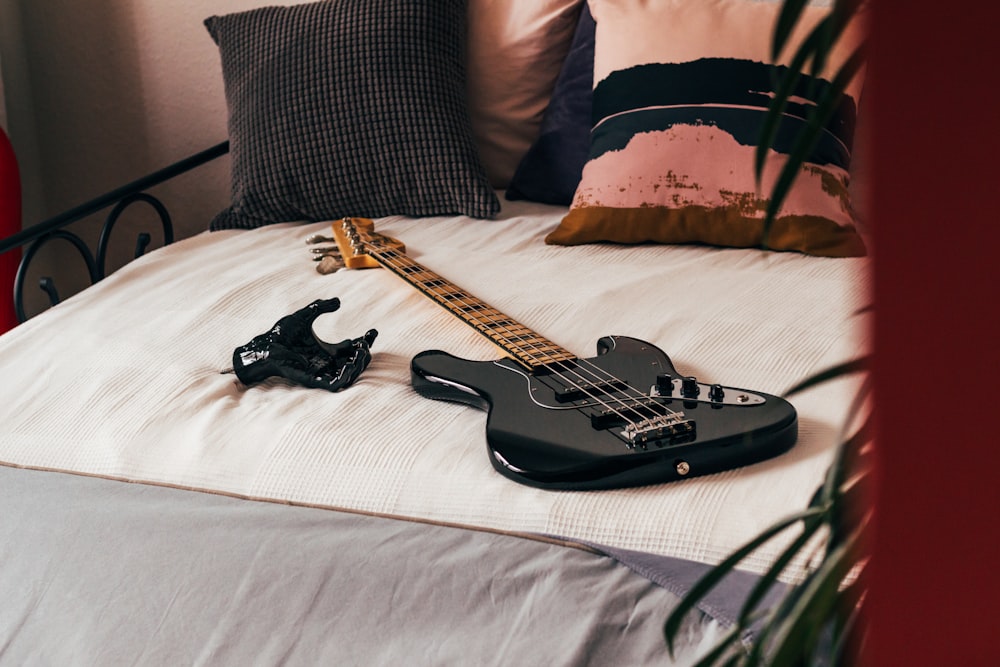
(140, 574)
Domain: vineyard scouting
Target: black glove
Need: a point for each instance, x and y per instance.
(291, 350)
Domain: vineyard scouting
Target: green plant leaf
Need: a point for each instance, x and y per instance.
(776, 112)
(858, 457)
(854, 455)
(857, 453)
(859, 400)
(756, 653)
(850, 630)
(814, 47)
(808, 138)
(782, 93)
(852, 509)
(822, 602)
(796, 634)
(789, 16)
(769, 578)
(855, 366)
(718, 572)
(833, 26)
(844, 457)
(727, 642)
(850, 451)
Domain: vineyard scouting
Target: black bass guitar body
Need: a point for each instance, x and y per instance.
(623, 418)
(555, 421)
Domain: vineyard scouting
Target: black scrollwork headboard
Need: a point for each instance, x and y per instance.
(35, 237)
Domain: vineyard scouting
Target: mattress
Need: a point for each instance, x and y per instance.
(128, 380)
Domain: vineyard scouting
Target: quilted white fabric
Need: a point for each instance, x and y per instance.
(125, 380)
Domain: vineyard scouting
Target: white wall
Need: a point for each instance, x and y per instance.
(18, 115)
(100, 92)
(119, 88)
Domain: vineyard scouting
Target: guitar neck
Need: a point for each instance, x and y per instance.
(515, 339)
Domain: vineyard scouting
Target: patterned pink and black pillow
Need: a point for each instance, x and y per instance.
(681, 89)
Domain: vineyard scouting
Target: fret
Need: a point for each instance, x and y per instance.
(499, 320)
(517, 340)
(474, 308)
(433, 282)
(446, 296)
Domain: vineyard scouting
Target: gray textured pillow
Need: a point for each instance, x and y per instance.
(349, 108)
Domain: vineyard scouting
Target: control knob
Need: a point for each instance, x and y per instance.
(689, 387)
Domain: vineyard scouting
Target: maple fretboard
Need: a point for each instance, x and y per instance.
(524, 345)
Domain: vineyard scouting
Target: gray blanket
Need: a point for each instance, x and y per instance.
(101, 572)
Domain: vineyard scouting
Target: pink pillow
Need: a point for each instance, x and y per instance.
(680, 91)
(516, 49)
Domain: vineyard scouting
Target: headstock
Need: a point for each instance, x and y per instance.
(356, 238)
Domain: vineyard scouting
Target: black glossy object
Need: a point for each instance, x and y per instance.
(537, 439)
(291, 350)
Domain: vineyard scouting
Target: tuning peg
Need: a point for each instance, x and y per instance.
(325, 250)
(319, 238)
(329, 264)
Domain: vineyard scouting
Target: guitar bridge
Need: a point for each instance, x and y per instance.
(672, 429)
(659, 430)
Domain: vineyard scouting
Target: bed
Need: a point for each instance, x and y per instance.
(157, 510)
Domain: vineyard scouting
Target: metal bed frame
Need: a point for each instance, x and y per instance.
(35, 237)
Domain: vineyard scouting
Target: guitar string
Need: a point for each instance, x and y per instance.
(489, 325)
(486, 326)
(637, 404)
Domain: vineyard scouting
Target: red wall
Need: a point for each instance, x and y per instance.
(10, 222)
(935, 90)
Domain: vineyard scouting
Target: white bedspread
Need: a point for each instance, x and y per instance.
(124, 380)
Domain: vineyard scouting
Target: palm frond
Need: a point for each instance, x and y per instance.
(808, 138)
(719, 571)
(789, 16)
(813, 51)
(795, 635)
(822, 615)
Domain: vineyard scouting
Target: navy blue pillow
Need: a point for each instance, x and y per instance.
(551, 169)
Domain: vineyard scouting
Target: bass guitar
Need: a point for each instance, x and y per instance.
(623, 418)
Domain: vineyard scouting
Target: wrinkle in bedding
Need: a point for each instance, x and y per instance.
(206, 579)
